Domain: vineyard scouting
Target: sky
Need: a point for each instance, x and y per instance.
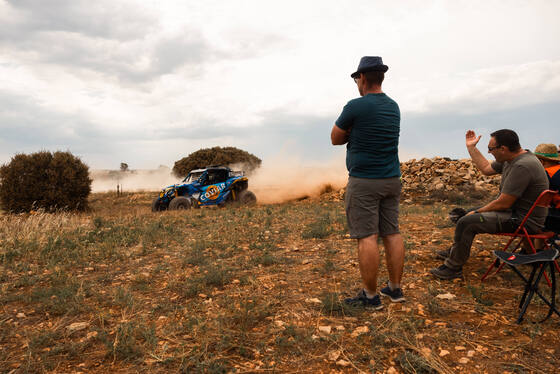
(149, 82)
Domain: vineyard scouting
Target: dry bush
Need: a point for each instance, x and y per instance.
(216, 156)
(44, 180)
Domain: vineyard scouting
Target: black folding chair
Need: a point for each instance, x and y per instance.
(539, 261)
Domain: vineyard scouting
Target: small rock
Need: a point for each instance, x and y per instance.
(446, 296)
(470, 353)
(460, 348)
(359, 331)
(313, 300)
(77, 326)
(306, 261)
(91, 334)
(426, 351)
(279, 323)
(343, 363)
(325, 329)
(464, 360)
(342, 328)
(334, 355)
(392, 370)
(443, 353)
(20, 315)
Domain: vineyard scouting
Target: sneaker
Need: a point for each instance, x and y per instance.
(442, 255)
(362, 300)
(443, 272)
(396, 295)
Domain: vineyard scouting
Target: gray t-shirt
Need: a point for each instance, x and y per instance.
(525, 178)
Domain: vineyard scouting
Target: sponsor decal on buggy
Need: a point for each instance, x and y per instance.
(512, 257)
(212, 192)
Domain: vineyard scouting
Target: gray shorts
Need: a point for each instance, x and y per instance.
(372, 206)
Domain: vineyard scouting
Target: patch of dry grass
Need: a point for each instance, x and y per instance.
(244, 290)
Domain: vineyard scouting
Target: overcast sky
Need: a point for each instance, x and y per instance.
(148, 82)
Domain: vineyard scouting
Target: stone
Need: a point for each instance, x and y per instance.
(77, 326)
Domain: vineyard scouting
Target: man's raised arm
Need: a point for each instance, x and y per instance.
(471, 140)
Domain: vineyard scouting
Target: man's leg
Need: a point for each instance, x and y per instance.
(394, 254)
(467, 228)
(368, 258)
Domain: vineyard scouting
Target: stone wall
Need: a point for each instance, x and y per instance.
(443, 174)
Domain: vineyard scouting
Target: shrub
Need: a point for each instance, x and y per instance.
(44, 180)
(216, 156)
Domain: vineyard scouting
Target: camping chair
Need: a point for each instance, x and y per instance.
(522, 234)
(538, 261)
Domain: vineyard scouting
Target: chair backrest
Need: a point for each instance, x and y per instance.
(544, 200)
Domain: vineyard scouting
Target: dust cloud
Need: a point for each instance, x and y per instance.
(282, 179)
(133, 180)
(278, 180)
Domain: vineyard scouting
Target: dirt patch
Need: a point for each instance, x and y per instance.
(122, 289)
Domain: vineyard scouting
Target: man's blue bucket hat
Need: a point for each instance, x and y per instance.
(370, 63)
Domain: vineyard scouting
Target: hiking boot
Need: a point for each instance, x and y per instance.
(442, 255)
(396, 295)
(362, 300)
(443, 272)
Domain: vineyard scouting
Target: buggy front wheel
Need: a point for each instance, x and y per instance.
(180, 203)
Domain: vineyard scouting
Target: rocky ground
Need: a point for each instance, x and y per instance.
(121, 289)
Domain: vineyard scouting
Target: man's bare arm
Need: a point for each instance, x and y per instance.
(479, 160)
(503, 202)
(339, 136)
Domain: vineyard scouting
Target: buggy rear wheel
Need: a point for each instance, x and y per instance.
(246, 197)
(180, 203)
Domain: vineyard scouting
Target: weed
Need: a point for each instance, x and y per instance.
(319, 229)
(123, 298)
(140, 283)
(63, 297)
(216, 276)
(267, 259)
(411, 362)
(195, 258)
(333, 305)
(479, 295)
(125, 346)
(435, 308)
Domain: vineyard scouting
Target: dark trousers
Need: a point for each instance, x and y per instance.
(477, 223)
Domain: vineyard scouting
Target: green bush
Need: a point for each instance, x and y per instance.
(216, 156)
(44, 180)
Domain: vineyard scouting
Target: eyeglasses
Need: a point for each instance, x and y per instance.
(490, 149)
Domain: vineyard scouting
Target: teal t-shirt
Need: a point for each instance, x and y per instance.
(374, 124)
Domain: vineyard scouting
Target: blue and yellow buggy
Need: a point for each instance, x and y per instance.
(214, 185)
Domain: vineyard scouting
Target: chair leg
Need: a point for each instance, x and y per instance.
(528, 283)
(552, 305)
(531, 287)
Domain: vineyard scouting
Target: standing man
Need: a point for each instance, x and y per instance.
(370, 125)
(523, 180)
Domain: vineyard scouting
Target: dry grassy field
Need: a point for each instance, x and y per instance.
(253, 289)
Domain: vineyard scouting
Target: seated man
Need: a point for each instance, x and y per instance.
(523, 180)
(548, 156)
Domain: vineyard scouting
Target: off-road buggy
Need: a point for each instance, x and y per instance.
(214, 185)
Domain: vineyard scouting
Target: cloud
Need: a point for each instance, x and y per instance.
(486, 90)
(432, 134)
(96, 19)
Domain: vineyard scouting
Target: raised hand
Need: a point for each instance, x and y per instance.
(471, 140)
